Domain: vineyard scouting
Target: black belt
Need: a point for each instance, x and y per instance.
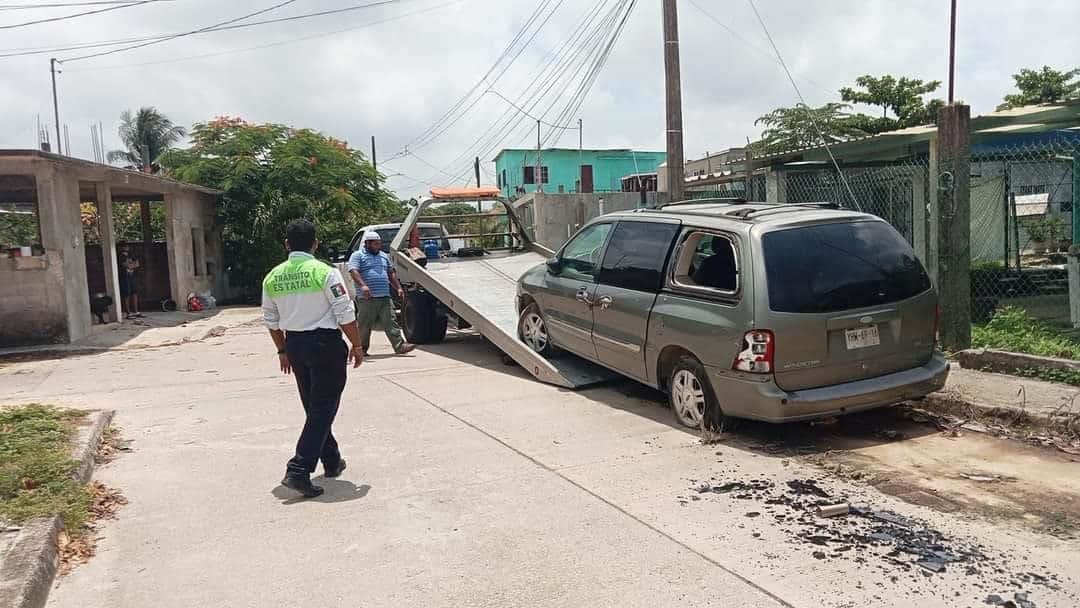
(314, 332)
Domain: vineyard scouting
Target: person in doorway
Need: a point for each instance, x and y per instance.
(129, 291)
(306, 307)
(374, 276)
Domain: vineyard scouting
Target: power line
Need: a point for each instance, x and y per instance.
(810, 115)
(586, 43)
(19, 52)
(526, 113)
(227, 25)
(76, 15)
(550, 72)
(272, 44)
(30, 7)
(434, 132)
(735, 34)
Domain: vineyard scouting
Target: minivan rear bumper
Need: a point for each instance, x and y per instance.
(764, 400)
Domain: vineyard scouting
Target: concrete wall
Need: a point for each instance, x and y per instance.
(552, 218)
(192, 238)
(43, 299)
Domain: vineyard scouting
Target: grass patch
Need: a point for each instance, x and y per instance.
(36, 466)
(1014, 330)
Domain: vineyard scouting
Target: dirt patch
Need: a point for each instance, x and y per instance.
(898, 546)
(974, 473)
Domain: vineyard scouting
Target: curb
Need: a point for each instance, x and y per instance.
(29, 566)
(86, 443)
(947, 403)
(1006, 362)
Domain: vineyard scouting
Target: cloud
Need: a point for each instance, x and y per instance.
(394, 79)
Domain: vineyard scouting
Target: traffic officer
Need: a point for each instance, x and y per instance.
(306, 307)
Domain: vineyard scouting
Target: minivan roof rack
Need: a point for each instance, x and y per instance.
(735, 200)
(781, 208)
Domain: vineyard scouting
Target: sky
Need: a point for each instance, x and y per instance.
(391, 70)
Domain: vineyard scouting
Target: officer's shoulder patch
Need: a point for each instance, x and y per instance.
(338, 290)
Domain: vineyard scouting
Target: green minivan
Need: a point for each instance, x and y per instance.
(764, 311)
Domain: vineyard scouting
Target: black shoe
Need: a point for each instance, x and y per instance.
(334, 472)
(303, 486)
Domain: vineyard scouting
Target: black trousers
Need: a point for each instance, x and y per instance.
(318, 360)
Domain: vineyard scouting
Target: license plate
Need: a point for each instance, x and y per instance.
(862, 337)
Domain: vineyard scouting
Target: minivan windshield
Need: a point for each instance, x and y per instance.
(842, 266)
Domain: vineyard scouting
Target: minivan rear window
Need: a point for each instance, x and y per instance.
(833, 267)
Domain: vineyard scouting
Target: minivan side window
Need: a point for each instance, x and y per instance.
(707, 261)
(636, 255)
(581, 255)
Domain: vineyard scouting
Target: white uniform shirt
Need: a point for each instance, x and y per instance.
(302, 294)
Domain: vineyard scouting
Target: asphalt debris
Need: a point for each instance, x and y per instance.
(899, 547)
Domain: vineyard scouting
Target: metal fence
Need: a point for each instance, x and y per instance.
(1022, 199)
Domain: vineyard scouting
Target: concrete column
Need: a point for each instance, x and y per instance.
(61, 232)
(108, 248)
(775, 186)
(954, 226)
(919, 187)
(173, 231)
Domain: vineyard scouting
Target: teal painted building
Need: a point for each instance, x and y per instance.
(601, 170)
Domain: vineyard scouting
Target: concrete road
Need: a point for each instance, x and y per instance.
(469, 484)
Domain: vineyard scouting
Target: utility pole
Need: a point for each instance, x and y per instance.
(55, 103)
(539, 182)
(952, 50)
(476, 169)
(673, 87)
(374, 161)
(580, 156)
(952, 212)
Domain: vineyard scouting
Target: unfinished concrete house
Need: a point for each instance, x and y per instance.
(63, 221)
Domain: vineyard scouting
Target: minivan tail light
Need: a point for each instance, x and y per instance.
(759, 347)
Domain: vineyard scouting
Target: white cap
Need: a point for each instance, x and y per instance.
(370, 235)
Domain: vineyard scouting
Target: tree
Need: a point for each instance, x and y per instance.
(1043, 86)
(147, 135)
(271, 174)
(455, 225)
(903, 97)
(803, 126)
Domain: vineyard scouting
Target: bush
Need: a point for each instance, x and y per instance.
(1013, 329)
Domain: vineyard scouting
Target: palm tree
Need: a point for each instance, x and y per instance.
(146, 135)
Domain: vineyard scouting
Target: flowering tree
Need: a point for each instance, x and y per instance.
(271, 174)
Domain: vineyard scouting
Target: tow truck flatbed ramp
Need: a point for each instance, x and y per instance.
(482, 290)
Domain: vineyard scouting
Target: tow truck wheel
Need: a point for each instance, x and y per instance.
(422, 323)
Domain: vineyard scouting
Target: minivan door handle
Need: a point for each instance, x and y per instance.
(583, 296)
(604, 302)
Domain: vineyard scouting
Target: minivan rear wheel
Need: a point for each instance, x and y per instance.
(690, 393)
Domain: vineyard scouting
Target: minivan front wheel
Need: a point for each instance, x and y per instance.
(689, 392)
(532, 330)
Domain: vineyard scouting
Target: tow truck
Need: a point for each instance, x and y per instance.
(477, 286)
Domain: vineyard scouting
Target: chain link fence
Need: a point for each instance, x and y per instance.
(1022, 199)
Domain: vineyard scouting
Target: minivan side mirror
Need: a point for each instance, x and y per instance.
(554, 265)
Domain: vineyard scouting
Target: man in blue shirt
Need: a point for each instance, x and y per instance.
(374, 276)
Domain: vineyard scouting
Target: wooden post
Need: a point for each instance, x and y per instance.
(954, 226)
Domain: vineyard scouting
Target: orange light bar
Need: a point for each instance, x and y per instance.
(465, 194)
